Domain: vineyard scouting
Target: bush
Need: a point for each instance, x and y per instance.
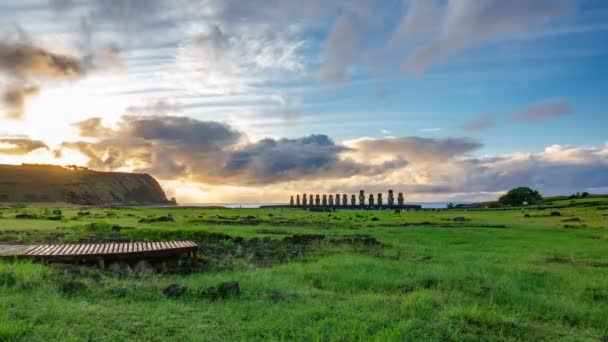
(521, 196)
(7, 278)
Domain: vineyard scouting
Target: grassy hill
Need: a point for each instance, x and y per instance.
(547, 203)
(49, 183)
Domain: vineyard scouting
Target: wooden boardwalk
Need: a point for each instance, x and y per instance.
(101, 252)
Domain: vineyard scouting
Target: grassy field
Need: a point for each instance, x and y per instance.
(357, 275)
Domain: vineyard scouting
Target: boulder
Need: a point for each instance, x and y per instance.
(143, 267)
(72, 286)
(229, 289)
(175, 290)
(121, 268)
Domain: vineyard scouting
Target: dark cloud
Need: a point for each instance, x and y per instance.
(544, 111)
(181, 130)
(166, 146)
(481, 123)
(172, 147)
(19, 146)
(27, 67)
(92, 128)
(26, 61)
(14, 98)
(313, 157)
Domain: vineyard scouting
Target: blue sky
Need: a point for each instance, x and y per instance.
(525, 80)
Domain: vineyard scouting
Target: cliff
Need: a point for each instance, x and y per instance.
(49, 183)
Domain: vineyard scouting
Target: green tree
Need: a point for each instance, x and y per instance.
(519, 196)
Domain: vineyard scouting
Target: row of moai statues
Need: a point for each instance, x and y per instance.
(341, 200)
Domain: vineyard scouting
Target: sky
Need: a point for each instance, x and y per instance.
(252, 101)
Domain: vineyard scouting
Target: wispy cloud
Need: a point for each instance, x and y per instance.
(544, 111)
(481, 123)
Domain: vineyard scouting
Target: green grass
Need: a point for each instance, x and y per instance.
(434, 279)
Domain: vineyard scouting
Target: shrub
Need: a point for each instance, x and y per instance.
(7, 278)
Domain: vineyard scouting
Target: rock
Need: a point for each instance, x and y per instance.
(527, 216)
(175, 290)
(375, 219)
(222, 291)
(54, 218)
(143, 267)
(229, 289)
(556, 213)
(157, 219)
(118, 228)
(72, 286)
(25, 216)
(121, 268)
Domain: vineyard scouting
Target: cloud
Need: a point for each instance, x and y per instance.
(15, 97)
(216, 59)
(471, 22)
(312, 157)
(413, 149)
(26, 61)
(341, 48)
(20, 146)
(544, 111)
(421, 17)
(431, 130)
(92, 128)
(481, 123)
(172, 147)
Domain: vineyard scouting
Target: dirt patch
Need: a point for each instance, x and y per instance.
(272, 231)
(573, 262)
(447, 225)
(166, 218)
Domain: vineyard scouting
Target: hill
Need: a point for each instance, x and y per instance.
(547, 202)
(50, 183)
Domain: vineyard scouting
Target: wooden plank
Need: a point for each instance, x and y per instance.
(46, 250)
(117, 249)
(33, 251)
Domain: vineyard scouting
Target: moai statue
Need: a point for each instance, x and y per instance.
(291, 200)
(298, 200)
(317, 200)
(331, 200)
(345, 200)
(353, 200)
(371, 200)
(361, 197)
(400, 198)
(324, 200)
(391, 199)
(304, 199)
(380, 200)
(310, 200)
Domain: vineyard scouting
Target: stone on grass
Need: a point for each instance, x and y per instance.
(175, 290)
(143, 267)
(72, 286)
